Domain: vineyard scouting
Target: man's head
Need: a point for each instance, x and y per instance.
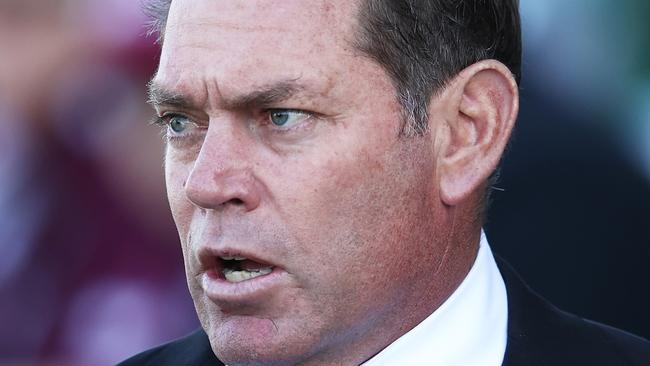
(315, 226)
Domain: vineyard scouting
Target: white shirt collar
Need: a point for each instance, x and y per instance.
(469, 328)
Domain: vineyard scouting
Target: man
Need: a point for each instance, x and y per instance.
(327, 166)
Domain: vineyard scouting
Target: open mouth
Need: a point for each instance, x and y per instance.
(238, 269)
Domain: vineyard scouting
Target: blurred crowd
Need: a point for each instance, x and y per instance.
(571, 213)
(90, 265)
(90, 270)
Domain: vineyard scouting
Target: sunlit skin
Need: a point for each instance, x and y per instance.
(284, 145)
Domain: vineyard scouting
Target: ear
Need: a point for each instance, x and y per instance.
(481, 109)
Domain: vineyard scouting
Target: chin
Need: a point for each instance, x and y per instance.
(249, 340)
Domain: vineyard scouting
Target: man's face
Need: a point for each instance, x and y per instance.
(284, 151)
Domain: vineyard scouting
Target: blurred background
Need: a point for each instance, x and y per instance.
(90, 265)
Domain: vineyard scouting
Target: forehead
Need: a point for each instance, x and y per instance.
(256, 40)
(262, 14)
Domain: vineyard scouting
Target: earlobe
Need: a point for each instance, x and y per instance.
(481, 121)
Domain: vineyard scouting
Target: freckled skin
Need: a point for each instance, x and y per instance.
(347, 207)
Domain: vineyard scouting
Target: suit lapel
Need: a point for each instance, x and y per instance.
(529, 326)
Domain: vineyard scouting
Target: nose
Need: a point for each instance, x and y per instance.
(222, 173)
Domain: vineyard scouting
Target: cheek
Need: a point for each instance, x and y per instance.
(175, 177)
(361, 213)
(340, 213)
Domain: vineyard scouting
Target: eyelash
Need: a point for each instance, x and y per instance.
(160, 121)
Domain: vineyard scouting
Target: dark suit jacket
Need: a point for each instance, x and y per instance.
(538, 334)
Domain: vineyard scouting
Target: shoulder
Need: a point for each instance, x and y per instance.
(193, 349)
(629, 348)
(541, 334)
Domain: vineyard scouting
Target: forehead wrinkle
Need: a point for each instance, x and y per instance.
(265, 95)
(225, 25)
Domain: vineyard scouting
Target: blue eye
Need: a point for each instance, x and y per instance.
(178, 124)
(286, 118)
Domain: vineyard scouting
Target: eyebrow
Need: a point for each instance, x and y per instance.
(158, 95)
(264, 96)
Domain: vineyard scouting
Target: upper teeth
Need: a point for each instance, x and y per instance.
(233, 258)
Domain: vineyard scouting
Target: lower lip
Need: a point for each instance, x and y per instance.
(219, 290)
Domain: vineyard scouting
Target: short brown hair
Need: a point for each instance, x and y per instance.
(422, 44)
